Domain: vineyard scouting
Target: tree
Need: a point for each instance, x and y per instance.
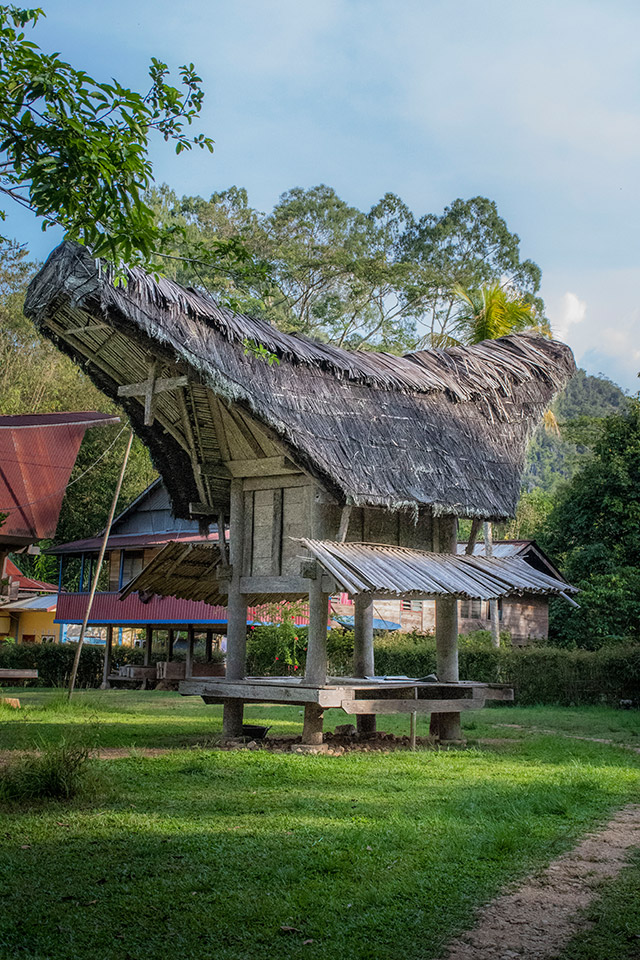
(469, 245)
(594, 532)
(316, 265)
(75, 150)
(493, 311)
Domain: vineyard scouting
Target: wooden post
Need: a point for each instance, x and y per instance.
(316, 669)
(148, 645)
(209, 645)
(363, 660)
(106, 670)
(170, 642)
(191, 639)
(493, 604)
(446, 726)
(236, 612)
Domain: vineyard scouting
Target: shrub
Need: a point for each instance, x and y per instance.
(54, 661)
(539, 675)
(56, 772)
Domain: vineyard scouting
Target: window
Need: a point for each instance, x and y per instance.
(470, 610)
(132, 564)
(416, 605)
(406, 604)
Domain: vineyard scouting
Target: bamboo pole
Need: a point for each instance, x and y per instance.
(94, 585)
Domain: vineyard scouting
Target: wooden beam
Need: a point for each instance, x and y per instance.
(343, 529)
(216, 469)
(88, 328)
(272, 483)
(161, 385)
(476, 523)
(262, 467)
(236, 612)
(216, 416)
(371, 707)
(197, 509)
(283, 585)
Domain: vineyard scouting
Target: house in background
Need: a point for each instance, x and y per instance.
(526, 618)
(137, 535)
(27, 607)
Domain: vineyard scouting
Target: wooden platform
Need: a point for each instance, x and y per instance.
(352, 695)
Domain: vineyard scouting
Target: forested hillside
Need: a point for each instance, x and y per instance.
(555, 455)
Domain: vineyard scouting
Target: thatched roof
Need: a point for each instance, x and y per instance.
(446, 429)
(188, 572)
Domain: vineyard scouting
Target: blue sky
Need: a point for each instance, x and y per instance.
(532, 104)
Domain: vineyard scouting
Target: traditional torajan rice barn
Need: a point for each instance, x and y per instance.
(333, 469)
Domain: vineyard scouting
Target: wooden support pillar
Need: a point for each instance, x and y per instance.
(148, 644)
(493, 604)
(316, 667)
(236, 613)
(446, 726)
(191, 640)
(363, 662)
(209, 645)
(313, 724)
(171, 638)
(106, 669)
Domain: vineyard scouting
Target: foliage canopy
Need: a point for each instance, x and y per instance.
(75, 150)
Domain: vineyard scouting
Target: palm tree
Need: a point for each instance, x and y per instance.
(486, 314)
(493, 311)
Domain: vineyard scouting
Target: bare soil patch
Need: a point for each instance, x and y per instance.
(571, 736)
(538, 919)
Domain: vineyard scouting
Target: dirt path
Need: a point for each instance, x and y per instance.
(538, 919)
(570, 736)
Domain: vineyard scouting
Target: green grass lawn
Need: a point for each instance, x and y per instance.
(120, 718)
(613, 921)
(204, 853)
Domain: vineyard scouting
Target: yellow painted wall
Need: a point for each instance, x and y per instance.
(39, 623)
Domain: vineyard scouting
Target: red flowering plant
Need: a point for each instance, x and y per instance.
(277, 644)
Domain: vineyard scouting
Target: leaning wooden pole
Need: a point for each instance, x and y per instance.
(94, 585)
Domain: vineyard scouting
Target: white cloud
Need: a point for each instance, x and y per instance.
(571, 310)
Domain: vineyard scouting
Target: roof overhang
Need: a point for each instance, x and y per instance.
(385, 572)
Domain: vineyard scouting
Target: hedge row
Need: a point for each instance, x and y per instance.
(544, 675)
(54, 661)
(538, 674)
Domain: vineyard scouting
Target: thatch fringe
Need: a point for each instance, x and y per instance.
(443, 428)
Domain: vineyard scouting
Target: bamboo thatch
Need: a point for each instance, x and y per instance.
(446, 429)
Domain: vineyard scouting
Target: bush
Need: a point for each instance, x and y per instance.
(54, 661)
(276, 650)
(539, 675)
(56, 772)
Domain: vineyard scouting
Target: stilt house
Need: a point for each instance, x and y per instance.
(333, 471)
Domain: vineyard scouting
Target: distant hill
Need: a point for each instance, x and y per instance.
(553, 458)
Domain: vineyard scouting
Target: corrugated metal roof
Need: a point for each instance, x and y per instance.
(168, 611)
(131, 540)
(27, 583)
(189, 572)
(398, 571)
(31, 604)
(37, 455)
